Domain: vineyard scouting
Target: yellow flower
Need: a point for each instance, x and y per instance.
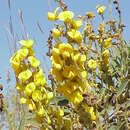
(91, 111)
(27, 43)
(65, 50)
(53, 16)
(29, 89)
(101, 27)
(68, 123)
(48, 120)
(101, 9)
(83, 58)
(39, 78)
(19, 87)
(57, 74)
(105, 54)
(76, 98)
(92, 64)
(84, 74)
(69, 72)
(56, 32)
(60, 112)
(49, 95)
(91, 36)
(31, 105)
(66, 16)
(23, 100)
(15, 61)
(23, 53)
(31, 52)
(76, 57)
(108, 42)
(56, 61)
(25, 75)
(88, 87)
(77, 24)
(37, 96)
(81, 61)
(75, 35)
(41, 112)
(55, 52)
(33, 61)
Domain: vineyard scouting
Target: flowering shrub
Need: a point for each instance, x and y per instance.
(89, 77)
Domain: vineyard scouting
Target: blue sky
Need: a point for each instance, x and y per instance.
(36, 10)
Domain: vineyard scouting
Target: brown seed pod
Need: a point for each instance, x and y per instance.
(115, 1)
(62, 5)
(1, 102)
(50, 38)
(1, 87)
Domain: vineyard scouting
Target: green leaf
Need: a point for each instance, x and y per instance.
(113, 127)
(122, 87)
(123, 105)
(21, 124)
(102, 91)
(62, 101)
(117, 127)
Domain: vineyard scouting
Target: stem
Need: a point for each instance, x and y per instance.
(110, 9)
(54, 91)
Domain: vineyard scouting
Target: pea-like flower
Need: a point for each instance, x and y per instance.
(41, 111)
(37, 96)
(58, 75)
(76, 97)
(105, 56)
(27, 43)
(60, 112)
(108, 42)
(53, 15)
(91, 111)
(23, 53)
(57, 63)
(92, 64)
(23, 100)
(69, 72)
(65, 50)
(75, 35)
(29, 89)
(25, 75)
(33, 61)
(31, 105)
(39, 78)
(66, 16)
(15, 61)
(101, 9)
(56, 32)
(77, 24)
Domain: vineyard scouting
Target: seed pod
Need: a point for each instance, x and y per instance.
(115, 1)
(1, 102)
(1, 87)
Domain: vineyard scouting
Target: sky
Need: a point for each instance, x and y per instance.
(36, 10)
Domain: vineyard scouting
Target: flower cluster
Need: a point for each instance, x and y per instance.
(68, 61)
(79, 57)
(30, 80)
(83, 72)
